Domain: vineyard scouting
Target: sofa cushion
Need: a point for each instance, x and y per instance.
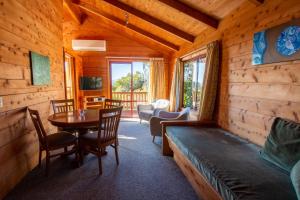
(295, 177)
(231, 165)
(282, 146)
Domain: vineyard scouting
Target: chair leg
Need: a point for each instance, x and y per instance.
(153, 139)
(80, 150)
(99, 162)
(140, 121)
(40, 157)
(116, 153)
(47, 162)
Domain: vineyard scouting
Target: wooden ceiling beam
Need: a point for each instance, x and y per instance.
(74, 12)
(114, 19)
(257, 2)
(194, 13)
(167, 27)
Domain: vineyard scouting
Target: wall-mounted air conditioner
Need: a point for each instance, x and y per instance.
(89, 45)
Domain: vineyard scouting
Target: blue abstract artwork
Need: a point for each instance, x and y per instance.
(259, 47)
(277, 44)
(288, 42)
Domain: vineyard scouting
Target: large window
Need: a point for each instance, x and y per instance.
(193, 81)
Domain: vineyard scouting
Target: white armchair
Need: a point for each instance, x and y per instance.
(145, 112)
(155, 126)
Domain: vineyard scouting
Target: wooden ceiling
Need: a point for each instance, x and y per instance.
(161, 24)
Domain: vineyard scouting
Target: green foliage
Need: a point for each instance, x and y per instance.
(123, 84)
(188, 86)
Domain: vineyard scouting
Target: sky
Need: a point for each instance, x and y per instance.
(122, 69)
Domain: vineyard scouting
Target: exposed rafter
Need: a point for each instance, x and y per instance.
(196, 14)
(98, 12)
(257, 2)
(167, 27)
(74, 12)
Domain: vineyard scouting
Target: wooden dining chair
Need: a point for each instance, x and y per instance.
(111, 103)
(108, 103)
(52, 142)
(64, 105)
(95, 142)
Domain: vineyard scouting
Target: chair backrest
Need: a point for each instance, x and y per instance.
(161, 103)
(112, 103)
(65, 105)
(37, 122)
(109, 119)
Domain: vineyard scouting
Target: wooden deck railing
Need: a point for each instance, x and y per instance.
(128, 102)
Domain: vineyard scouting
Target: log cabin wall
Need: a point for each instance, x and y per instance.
(117, 45)
(252, 96)
(26, 25)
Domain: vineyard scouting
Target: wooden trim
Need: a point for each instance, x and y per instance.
(167, 27)
(194, 13)
(203, 189)
(99, 13)
(75, 14)
(257, 2)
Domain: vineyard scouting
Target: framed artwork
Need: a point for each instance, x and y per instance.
(40, 69)
(277, 44)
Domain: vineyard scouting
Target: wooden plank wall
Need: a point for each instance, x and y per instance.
(118, 45)
(251, 96)
(26, 25)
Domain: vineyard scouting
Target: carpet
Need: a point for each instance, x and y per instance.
(143, 173)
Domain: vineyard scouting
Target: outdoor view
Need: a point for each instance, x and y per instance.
(130, 82)
(193, 81)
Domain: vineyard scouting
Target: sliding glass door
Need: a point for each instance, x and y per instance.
(129, 83)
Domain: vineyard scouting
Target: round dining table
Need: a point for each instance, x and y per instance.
(77, 119)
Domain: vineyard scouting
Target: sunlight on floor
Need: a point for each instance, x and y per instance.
(126, 137)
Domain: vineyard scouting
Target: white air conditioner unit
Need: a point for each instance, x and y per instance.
(89, 45)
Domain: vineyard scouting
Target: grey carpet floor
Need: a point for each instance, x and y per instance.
(143, 174)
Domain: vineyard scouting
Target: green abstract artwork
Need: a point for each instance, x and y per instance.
(40, 69)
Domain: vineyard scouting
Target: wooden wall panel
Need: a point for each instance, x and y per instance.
(118, 45)
(252, 96)
(26, 25)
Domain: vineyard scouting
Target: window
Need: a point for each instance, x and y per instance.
(193, 80)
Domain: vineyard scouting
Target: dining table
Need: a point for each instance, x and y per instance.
(80, 120)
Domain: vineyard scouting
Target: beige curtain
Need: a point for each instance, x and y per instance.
(210, 82)
(157, 80)
(176, 87)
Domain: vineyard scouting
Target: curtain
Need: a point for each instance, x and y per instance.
(157, 80)
(210, 82)
(176, 87)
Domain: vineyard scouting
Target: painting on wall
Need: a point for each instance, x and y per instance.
(277, 44)
(40, 69)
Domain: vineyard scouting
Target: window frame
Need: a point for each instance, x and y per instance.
(193, 59)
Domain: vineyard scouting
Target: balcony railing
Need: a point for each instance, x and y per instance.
(130, 100)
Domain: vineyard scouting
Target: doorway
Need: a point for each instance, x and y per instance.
(69, 69)
(130, 84)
